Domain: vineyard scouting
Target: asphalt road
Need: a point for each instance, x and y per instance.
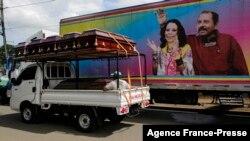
(54, 129)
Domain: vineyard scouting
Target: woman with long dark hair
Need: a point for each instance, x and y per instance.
(174, 54)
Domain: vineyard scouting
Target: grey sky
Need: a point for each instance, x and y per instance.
(23, 21)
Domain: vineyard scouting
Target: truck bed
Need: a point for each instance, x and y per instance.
(83, 83)
(112, 98)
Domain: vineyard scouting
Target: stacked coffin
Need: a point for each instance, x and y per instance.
(73, 44)
(20, 49)
(50, 44)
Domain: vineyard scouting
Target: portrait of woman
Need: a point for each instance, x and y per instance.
(174, 55)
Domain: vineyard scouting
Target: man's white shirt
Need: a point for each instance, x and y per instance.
(113, 85)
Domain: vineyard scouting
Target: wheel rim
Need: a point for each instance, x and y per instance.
(27, 114)
(84, 121)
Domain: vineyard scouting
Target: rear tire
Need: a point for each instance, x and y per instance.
(86, 121)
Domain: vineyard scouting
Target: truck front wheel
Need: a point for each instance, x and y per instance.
(29, 113)
(86, 121)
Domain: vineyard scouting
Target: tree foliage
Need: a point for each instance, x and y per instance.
(10, 51)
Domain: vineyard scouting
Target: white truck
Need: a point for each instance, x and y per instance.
(51, 84)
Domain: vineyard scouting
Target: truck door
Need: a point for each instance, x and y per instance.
(24, 87)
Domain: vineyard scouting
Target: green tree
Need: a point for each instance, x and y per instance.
(10, 51)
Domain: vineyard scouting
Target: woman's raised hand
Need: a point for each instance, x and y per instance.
(152, 45)
(161, 16)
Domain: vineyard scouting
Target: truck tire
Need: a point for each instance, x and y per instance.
(86, 121)
(29, 113)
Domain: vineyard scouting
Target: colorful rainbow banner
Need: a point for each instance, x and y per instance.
(140, 23)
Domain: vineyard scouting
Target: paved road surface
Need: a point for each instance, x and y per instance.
(12, 128)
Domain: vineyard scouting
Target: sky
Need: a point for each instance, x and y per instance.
(23, 18)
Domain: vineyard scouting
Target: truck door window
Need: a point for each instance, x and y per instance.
(27, 74)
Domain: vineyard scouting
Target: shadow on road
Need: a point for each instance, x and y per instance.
(167, 117)
(56, 124)
(174, 117)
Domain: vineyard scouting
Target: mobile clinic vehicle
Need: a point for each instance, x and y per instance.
(52, 83)
(140, 23)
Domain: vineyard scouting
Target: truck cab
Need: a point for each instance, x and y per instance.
(32, 79)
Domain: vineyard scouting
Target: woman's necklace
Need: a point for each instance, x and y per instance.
(169, 49)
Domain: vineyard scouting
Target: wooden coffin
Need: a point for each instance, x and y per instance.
(105, 40)
(90, 42)
(20, 49)
(33, 47)
(69, 41)
(50, 44)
